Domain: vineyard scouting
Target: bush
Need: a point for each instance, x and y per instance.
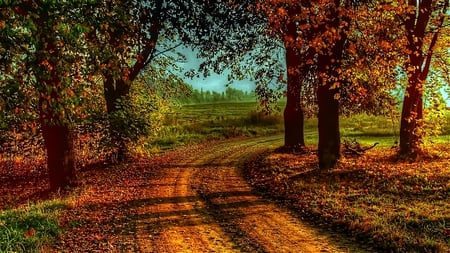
(258, 118)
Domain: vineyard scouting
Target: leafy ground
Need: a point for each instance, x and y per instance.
(399, 206)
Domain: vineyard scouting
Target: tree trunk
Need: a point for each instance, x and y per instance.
(116, 90)
(411, 121)
(58, 137)
(329, 136)
(293, 126)
(328, 63)
(58, 140)
(293, 112)
(417, 68)
(60, 155)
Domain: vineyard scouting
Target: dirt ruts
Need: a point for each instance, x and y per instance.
(191, 200)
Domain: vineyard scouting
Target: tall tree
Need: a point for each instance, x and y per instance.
(422, 35)
(122, 43)
(325, 56)
(281, 19)
(130, 35)
(331, 50)
(296, 72)
(42, 51)
(293, 112)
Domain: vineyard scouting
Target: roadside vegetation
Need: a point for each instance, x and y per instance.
(195, 123)
(95, 84)
(30, 228)
(397, 206)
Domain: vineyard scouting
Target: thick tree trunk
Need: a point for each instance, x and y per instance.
(417, 68)
(118, 88)
(293, 112)
(328, 63)
(293, 126)
(411, 120)
(60, 155)
(58, 140)
(114, 90)
(329, 136)
(56, 131)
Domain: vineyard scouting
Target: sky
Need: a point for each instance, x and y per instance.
(214, 82)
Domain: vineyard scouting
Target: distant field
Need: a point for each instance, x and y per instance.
(207, 112)
(199, 122)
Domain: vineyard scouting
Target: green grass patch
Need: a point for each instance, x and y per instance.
(30, 228)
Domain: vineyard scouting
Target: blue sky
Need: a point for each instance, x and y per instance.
(214, 82)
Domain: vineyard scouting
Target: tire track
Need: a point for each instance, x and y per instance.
(185, 225)
(258, 225)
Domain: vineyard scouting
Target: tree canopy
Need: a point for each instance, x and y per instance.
(342, 57)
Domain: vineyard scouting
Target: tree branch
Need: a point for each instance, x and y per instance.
(167, 50)
(433, 42)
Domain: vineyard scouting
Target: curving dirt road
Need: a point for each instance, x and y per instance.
(192, 200)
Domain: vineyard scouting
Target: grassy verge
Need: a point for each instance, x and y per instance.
(397, 206)
(30, 228)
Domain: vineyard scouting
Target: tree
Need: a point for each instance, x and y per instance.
(335, 27)
(418, 21)
(129, 35)
(331, 59)
(121, 42)
(319, 30)
(293, 112)
(43, 54)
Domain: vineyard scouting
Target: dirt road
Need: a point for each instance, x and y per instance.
(190, 200)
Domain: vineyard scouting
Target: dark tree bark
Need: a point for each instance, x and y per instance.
(417, 68)
(293, 119)
(114, 89)
(328, 64)
(117, 87)
(328, 117)
(58, 137)
(411, 121)
(293, 112)
(60, 154)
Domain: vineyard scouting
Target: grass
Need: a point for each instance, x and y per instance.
(30, 228)
(195, 123)
(396, 206)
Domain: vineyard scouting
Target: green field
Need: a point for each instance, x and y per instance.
(199, 122)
